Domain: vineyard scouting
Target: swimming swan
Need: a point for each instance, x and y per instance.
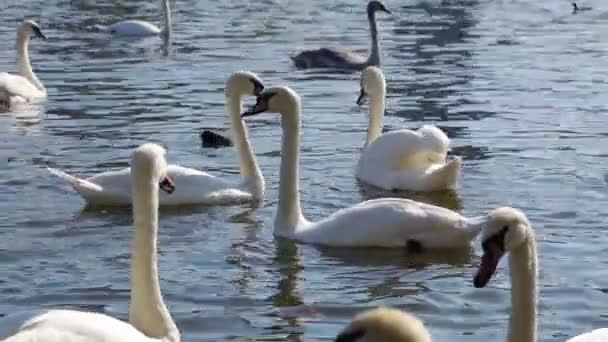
(506, 230)
(149, 319)
(510, 231)
(385, 222)
(25, 87)
(386, 325)
(141, 28)
(343, 58)
(402, 159)
(196, 187)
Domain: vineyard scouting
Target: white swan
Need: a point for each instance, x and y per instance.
(506, 230)
(197, 187)
(342, 58)
(386, 325)
(385, 222)
(149, 319)
(598, 335)
(141, 28)
(25, 87)
(510, 231)
(402, 159)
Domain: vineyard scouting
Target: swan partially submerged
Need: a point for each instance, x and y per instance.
(197, 187)
(141, 28)
(26, 86)
(384, 222)
(149, 318)
(342, 58)
(402, 159)
(385, 325)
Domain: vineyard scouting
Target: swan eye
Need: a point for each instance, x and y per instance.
(505, 228)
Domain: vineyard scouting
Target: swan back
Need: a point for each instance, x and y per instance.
(386, 325)
(435, 140)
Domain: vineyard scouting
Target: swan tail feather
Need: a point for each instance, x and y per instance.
(82, 186)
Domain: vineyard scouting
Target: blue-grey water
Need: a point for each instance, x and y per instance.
(520, 86)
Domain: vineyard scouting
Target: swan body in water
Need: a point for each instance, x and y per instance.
(149, 319)
(141, 28)
(197, 187)
(402, 159)
(386, 325)
(385, 222)
(342, 58)
(507, 230)
(26, 86)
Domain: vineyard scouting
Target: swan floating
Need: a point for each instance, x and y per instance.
(149, 319)
(141, 28)
(385, 222)
(402, 159)
(197, 187)
(508, 230)
(25, 87)
(386, 325)
(343, 58)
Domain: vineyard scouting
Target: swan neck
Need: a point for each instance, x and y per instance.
(25, 67)
(166, 10)
(147, 311)
(289, 213)
(522, 325)
(376, 117)
(250, 170)
(374, 57)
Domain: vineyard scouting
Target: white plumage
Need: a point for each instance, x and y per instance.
(196, 187)
(402, 159)
(149, 319)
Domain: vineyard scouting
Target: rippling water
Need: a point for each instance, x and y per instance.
(520, 86)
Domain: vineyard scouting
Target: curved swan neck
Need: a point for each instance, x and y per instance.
(374, 57)
(25, 68)
(376, 117)
(250, 170)
(289, 213)
(522, 325)
(166, 9)
(147, 310)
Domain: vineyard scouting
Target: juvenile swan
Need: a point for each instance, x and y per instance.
(402, 159)
(25, 87)
(149, 319)
(508, 230)
(385, 222)
(386, 325)
(342, 58)
(196, 187)
(141, 28)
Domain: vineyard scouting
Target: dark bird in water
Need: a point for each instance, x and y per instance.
(340, 58)
(214, 139)
(576, 8)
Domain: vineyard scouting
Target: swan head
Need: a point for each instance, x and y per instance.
(376, 6)
(30, 28)
(372, 84)
(506, 229)
(276, 100)
(435, 140)
(244, 83)
(148, 162)
(384, 324)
